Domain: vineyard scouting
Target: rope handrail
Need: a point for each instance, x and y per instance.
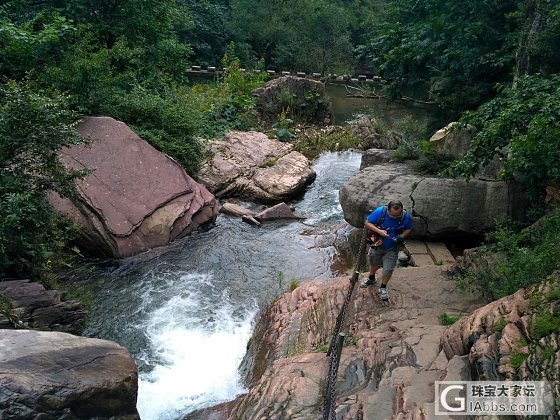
(337, 340)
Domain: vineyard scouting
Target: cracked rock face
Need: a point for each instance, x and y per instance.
(440, 207)
(135, 198)
(251, 166)
(61, 376)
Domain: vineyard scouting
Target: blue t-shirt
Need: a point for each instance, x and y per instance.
(390, 225)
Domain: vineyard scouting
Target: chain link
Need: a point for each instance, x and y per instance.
(335, 350)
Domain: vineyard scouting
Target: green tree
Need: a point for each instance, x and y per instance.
(452, 52)
(210, 32)
(33, 127)
(306, 35)
(30, 46)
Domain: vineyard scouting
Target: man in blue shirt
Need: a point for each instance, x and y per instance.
(391, 224)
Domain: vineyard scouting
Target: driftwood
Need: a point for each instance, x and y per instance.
(362, 93)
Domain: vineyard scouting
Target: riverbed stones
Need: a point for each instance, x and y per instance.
(279, 211)
(56, 375)
(441, 207)
(371, 136)
(135, 198)
(376, 156)
(251, 166)
(236, 210)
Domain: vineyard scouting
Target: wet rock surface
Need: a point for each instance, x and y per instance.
(391, 356)
(27, 304)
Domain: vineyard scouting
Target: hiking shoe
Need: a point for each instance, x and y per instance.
(383, 293)
(367, 282)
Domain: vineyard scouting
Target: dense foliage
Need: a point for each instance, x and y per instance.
(124, 58)
(522, 126)
(33, 126)
(515, 258)
(128, 59)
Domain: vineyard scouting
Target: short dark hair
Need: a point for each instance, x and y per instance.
(395, 204)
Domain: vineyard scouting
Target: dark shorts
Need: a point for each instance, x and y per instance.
(383, 257)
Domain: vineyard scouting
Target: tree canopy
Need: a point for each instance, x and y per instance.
(497, 59)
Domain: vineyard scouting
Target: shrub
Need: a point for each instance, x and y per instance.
(160, 118)
(431, 162)
(312, 142)
(545, 323)
(445, 319)
(294, 284)
(520, 125)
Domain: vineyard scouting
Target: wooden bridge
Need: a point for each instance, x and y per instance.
(330, 78)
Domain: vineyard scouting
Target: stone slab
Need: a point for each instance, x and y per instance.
(422, 260)
(416, 247)
(380, 404)
(424, 341)
(440, 252)
(421, 390)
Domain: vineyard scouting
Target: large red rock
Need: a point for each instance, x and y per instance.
(135, 198)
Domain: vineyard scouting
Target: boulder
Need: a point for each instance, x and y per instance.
(305, 98)
(135, 197)
(454, 139)
(373, 157)
(371, 137)
(249, 165)
(28, 304)
(440, 207)
(60, 376)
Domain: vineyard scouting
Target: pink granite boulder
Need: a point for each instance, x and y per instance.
(135, 198)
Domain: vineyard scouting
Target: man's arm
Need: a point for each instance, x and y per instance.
(407, 226)
(406, 233)
(375, 229)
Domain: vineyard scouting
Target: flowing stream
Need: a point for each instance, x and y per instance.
(185, 312)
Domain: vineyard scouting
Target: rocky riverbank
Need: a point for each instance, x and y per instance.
(27, 304)
(393, 354)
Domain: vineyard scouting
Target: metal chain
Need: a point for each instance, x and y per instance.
(335, 347)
